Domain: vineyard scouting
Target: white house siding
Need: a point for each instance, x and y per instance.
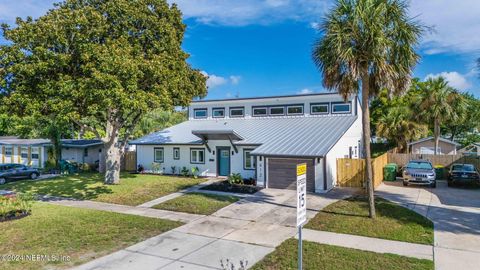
(319, 176)
(351, 138)
(261, 171)
(145, 157)
(16, 155)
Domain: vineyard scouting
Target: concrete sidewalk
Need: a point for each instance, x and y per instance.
(243, 231)
(130, 210)
(369, 244)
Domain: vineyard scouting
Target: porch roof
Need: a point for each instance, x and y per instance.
(217, 134)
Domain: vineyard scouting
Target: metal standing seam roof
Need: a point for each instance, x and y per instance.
(23, 141)
(312, 136)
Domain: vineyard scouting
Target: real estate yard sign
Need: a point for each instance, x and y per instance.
(301, 206)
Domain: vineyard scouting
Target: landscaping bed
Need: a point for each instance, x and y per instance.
(15, 206)
(197, 203)
(134, 189)
(225, 186)
(393, 222)
(77, 235)
(326, 257)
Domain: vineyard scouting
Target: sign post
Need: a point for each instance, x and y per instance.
(301, 206)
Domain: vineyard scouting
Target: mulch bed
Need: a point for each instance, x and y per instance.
(234, 188)
(14, 215)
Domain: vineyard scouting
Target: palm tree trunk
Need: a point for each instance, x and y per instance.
(366, 142)
(436, 134)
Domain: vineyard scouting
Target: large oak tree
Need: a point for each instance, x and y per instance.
(103, 64)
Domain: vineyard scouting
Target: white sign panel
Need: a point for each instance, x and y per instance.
(301, 194)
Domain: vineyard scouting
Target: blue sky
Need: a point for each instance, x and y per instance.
(262, 47)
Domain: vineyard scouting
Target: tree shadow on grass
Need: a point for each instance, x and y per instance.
(78, 186)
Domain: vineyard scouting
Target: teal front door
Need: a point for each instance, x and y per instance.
(223, 157)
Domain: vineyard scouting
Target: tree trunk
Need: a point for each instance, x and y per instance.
(366, 142)
(112, 154)
(436, 134)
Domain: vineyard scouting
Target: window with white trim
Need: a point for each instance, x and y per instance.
(295, 110)
(260, 111)
(319, 109)
(158, 155)
(35, 153)
(249, 161)
(197, 156)
(8, 151)
(24, 152)
(237, 112)
(277, 110)
(341, 108)
(218, 113)
(200, 113)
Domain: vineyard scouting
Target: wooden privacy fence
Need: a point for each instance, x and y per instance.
(444, 160)
(129, 161)
(351, 172)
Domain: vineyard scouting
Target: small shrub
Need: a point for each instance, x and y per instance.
(235, 179)
(85, 167)
(185, 172)
(174, 169)
(15, 206)
(195, 171)
(156, 167)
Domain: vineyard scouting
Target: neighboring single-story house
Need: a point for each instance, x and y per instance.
(261, 138)
(472, 149)
(427, 146)
(34, 152)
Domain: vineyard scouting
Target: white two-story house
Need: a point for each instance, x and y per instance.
(262, 138)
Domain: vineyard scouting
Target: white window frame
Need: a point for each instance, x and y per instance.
(155, 157)
(276, 107)
(196, 159)
(176, 153)
(11, 151)
(199, 110)
(295, 106)
(323, 105)
(342, 104)
(253, 161)
(259, 108)
(24, 152)
(35, 151)
(216, 110)
(239, 108)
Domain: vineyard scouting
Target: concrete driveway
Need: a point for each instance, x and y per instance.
(243, 231)
(455, 213)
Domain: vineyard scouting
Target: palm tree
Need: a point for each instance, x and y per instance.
(437, 104)
(368, 44)
(400, 127)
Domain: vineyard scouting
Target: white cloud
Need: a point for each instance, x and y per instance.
(455, 79)
(235, 79)
(305, 91)
(215, 80)
(456, 25)
(238, 13)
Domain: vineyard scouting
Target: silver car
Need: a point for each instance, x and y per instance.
(420, 172)
(13, 172)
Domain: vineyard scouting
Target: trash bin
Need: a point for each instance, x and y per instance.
(390, 172)
(441, 172)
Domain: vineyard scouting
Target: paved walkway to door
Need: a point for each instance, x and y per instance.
(455, 213)
(243, 231)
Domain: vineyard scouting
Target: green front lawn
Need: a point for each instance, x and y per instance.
(134, 189)
(197, 203)
(325, 257)
(393, 222)
(82, 234)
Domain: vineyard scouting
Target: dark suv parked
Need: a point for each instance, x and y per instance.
(12, 172)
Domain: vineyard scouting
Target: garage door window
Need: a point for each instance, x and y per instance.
(248, 160)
